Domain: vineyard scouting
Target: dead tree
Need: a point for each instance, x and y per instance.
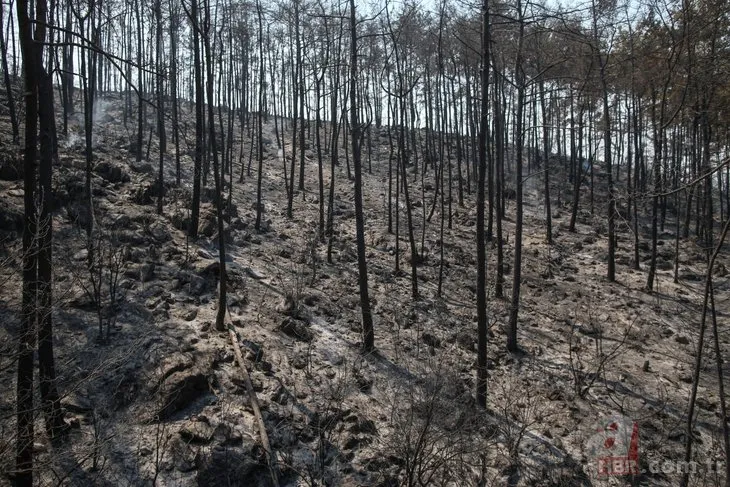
(481, 243)
(368, 343)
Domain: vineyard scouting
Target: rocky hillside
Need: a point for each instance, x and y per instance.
(154, 394)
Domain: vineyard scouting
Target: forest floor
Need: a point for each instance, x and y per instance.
(163, 402)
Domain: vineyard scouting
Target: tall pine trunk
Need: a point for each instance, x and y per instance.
(482, 325)
(368, 344)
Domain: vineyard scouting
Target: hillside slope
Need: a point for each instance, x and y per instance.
(163, 401)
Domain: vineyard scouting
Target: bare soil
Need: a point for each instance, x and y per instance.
(163, 401)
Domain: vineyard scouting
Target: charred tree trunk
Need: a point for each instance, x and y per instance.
(174, 34)
(499, 189)
(26, 338)
(199, 102)
(260, 121)
(222, 280)
(519, 142)
(160, 106)
(8, 83)
(368, 344)
(46, 361)
(546, 159)
(482, 325)
(140, 84)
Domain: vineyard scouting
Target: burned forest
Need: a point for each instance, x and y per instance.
(341, 243)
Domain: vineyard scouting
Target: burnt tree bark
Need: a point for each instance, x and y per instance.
(519, 143)
(368, 344)
(482, 326)
(217, 176)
